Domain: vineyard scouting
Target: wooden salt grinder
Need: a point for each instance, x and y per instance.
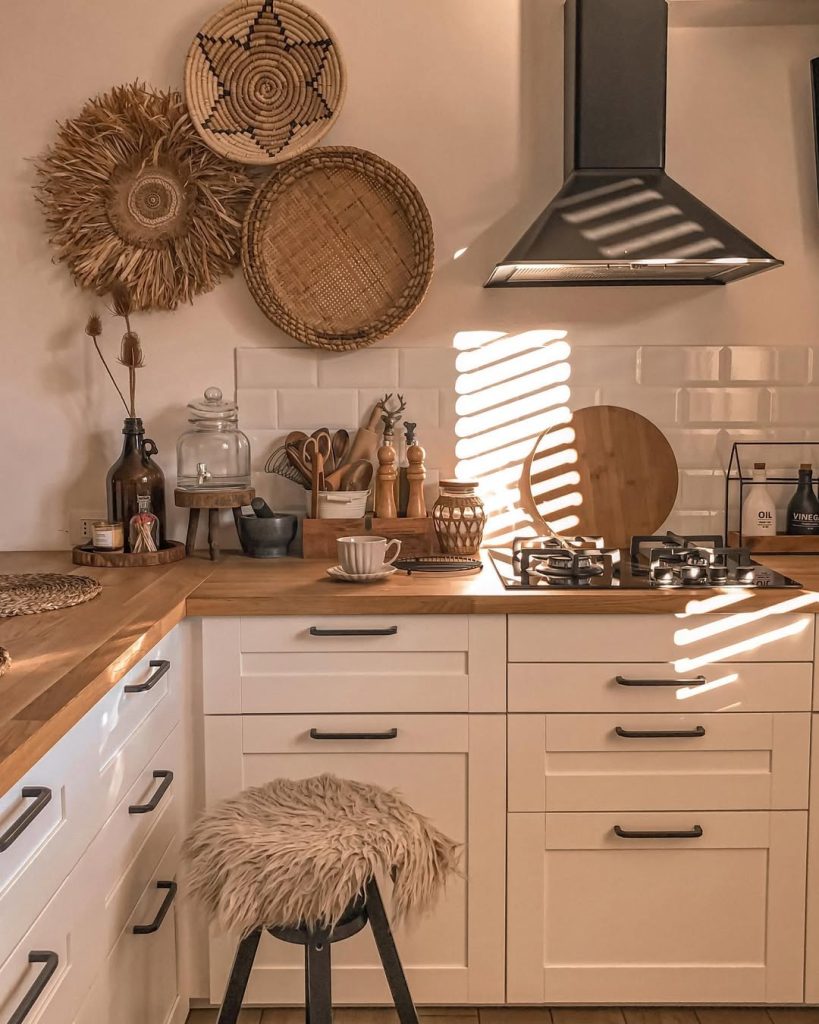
(416, 474)
(385, 483)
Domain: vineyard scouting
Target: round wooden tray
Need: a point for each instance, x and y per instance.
(172, 551)
(337, 248)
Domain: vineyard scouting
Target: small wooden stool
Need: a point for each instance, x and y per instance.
(229, 497)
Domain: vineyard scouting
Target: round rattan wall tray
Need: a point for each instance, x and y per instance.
(31, 593)
(337, 248)
(264, 80)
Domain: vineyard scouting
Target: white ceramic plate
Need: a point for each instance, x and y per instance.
(337, 573)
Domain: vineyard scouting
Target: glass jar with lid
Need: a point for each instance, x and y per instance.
(215, 454)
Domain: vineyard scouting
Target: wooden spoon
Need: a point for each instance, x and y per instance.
(341, 445)
(357, 476)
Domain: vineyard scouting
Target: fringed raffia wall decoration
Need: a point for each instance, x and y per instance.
(131, 194)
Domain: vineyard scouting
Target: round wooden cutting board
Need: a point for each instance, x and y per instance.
(628, 475)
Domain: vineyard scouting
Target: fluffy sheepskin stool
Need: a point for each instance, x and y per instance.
(298, 858)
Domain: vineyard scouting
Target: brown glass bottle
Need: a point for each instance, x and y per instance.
(135, 473)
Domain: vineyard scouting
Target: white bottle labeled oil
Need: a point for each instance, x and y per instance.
(758, 509)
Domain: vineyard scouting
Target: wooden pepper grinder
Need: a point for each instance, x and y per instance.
(385, 487)
(416, 475)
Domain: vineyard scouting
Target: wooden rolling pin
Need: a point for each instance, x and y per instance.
(366, 442)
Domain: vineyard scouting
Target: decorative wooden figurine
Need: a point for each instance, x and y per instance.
(416, 474)
(385, 507)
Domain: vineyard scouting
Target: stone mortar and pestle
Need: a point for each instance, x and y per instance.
(266, 534)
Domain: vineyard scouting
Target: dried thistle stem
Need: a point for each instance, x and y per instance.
(113, 380)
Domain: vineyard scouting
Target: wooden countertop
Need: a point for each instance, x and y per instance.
(65, 661)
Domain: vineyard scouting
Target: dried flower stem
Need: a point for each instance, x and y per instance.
(108, 371)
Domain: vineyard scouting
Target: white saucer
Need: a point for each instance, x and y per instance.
(338, 573)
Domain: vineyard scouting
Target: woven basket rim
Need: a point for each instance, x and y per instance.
(32, 593)
(195, 68)
(401, 187)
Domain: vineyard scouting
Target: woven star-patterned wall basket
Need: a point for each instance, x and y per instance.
(264, 80)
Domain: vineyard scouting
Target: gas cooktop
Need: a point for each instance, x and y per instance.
(662, 562)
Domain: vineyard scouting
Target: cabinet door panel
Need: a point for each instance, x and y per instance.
(599, 762)
(448, 767)
(594, 917)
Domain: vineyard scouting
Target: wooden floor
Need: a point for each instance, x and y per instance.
(538, 1015)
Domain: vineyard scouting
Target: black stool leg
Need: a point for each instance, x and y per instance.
(239, 976)
(319, 989)
(389, 956)
(306, 986)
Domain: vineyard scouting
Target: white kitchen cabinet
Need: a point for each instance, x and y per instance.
(598, 918)
(659, 762)
(137, 982)
(450, 768)
(335, 664)
(812, 924)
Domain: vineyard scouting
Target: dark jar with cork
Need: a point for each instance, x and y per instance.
(133, 476)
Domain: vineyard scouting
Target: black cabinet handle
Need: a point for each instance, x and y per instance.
(625, 681)
(692, 833)
(653, 734)
(51, 961)
(41, 795)
(153, 803)
(386, 631)
(390, 734)
(161, 668)
(155, 925)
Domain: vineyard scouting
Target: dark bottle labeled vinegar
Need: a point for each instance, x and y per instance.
(803, 508)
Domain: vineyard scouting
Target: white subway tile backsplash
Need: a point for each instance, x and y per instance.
(702, 397)
(326, 407)
(598, 363)
(727, 405)
(423, 405)
(367, 367)
(797, 406)
(258, 408)
(419, 368)
(660, 405)
(276, 367)
(669, 365)
(756, 364)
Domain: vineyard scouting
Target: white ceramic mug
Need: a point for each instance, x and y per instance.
(361, 555)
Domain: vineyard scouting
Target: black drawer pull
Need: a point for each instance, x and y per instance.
(386, 631)
(390, 734)
(655, 734)
(41, 795)
(161, 668)
(155, 925)
(692, 833)
(153, 803)
(625, 681)
(51, 961)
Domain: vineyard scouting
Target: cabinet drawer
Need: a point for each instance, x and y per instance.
(598, 918)
(594, 686)
(358, 633)
(137, 983)
(690, 641)
(131, 843)
(401, 664)
(46, 830)
(635, 762)
(68, 929)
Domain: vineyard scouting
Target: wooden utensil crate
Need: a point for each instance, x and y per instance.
(319, 536)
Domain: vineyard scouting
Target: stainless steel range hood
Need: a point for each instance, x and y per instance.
(619, 218)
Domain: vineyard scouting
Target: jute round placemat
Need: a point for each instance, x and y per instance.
(337, 248)
(5, 661)
(264, 80)
(30, 593)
